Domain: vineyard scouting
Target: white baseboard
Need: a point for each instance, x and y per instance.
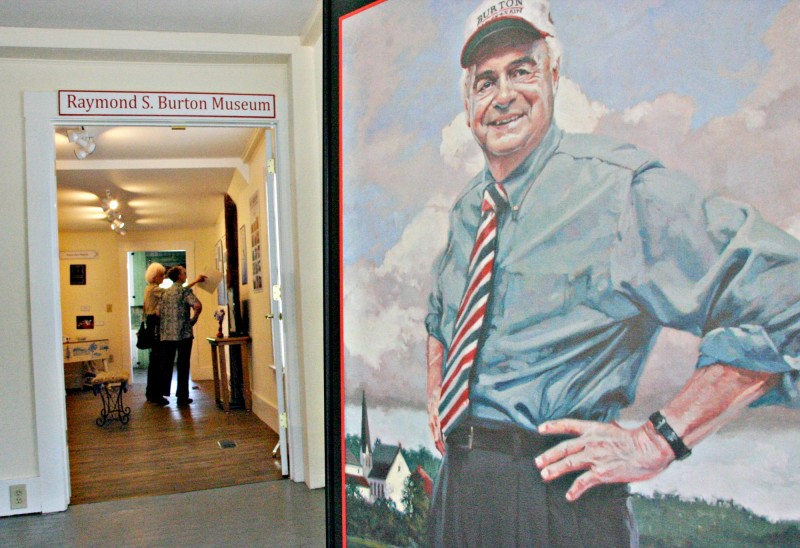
(266, 411)
(316, 481)
(33, 488)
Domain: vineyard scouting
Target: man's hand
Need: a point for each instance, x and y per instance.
(435, 356)
(607, 452)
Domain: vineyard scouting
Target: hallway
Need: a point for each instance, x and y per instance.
(164, 450)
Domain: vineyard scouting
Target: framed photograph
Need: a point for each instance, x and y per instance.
(77, 274)
(84, 322)
(255, 240)
(630, 176)
(243, 254)
(221, 266)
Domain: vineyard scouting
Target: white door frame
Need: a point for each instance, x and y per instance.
(41, 119)
(125, 249)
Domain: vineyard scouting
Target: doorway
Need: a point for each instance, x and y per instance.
(41, 119)
(137, 265)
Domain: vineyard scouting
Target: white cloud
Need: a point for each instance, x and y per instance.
(385, 305)
(758, 470)
(781, 74)
(574, 111)
(459, 149)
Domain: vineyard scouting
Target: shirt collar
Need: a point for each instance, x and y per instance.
(521, 179)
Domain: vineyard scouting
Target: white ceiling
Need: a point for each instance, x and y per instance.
(261, 17)
(164, 178)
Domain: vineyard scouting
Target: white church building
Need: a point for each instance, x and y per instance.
(380, 471)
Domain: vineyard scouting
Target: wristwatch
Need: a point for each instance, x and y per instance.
(673, 439)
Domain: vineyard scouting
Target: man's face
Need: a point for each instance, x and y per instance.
(510, 102)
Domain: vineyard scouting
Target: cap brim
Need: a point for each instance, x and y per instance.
(492, 30)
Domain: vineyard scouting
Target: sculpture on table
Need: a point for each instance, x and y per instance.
(219, 315)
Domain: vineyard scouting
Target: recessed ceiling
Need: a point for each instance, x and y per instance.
(259, 17)
(164, 178)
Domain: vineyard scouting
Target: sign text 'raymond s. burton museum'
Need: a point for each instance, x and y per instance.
(160, 103)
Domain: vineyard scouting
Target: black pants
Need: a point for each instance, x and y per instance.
(155, 375)
(488, 498)
(184, 351)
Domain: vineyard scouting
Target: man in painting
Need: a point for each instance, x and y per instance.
(575, 252)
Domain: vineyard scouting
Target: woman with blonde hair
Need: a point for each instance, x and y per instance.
(154, 276)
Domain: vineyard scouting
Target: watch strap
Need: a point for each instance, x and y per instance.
(673, 439)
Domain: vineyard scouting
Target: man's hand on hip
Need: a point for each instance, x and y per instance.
(606, 452)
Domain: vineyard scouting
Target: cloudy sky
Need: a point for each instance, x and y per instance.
(710, 87)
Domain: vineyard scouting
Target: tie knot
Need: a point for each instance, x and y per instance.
(495, 198)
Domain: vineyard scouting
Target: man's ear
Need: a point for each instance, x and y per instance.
(556, 74)
(467, 116)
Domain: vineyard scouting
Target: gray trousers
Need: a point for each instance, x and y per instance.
(488, 498)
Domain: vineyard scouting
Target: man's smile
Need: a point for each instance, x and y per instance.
(505, 120)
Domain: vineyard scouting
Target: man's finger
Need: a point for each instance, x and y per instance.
(584, 482)
(567, 465)
(565, 426)
(559, 452)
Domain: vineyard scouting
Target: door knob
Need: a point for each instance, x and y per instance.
(269, 316)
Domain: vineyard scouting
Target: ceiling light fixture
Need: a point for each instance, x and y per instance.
(84, 143)
(113, 216)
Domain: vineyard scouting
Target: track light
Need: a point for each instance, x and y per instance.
(83, 142)
(110, 206)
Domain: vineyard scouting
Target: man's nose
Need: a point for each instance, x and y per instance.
(505, 93)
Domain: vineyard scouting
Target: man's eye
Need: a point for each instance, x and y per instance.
(483, 85)
(521, 73)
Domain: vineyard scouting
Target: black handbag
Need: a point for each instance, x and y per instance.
(144, 338)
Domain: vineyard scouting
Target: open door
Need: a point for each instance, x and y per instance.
(276, 314)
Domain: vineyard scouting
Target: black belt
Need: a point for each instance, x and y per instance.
(509, 440)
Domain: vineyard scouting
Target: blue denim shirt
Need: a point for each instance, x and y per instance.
(601, 248)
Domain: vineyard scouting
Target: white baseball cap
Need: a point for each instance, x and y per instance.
(493, 16)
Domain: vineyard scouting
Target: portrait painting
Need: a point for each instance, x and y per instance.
(646, 239)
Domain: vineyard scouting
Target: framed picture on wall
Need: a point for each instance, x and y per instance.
(84, 322)
(638, 220)
(243, 254)
(77, 274)
(255, 240)
(219, 257)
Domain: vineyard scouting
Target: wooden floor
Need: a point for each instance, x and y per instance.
(164, 450)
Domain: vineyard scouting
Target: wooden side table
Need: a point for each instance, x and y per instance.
(220, 366)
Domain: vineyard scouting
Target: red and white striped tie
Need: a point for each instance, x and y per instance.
(469, 319)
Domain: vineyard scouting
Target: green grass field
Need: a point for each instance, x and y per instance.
(669, 522)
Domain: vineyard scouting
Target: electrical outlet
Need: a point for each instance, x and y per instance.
(19, 497)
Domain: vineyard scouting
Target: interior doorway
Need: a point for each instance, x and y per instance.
(138, 261)
(46, 333)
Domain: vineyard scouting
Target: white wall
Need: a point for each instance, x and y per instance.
(140, 68)
(307, 153)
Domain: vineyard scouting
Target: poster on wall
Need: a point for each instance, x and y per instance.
(255, 240)
(84, 322)
(221, 265)
(243, 254)
(77, 274)
(562, 261)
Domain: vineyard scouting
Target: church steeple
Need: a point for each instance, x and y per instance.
(366, 442)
